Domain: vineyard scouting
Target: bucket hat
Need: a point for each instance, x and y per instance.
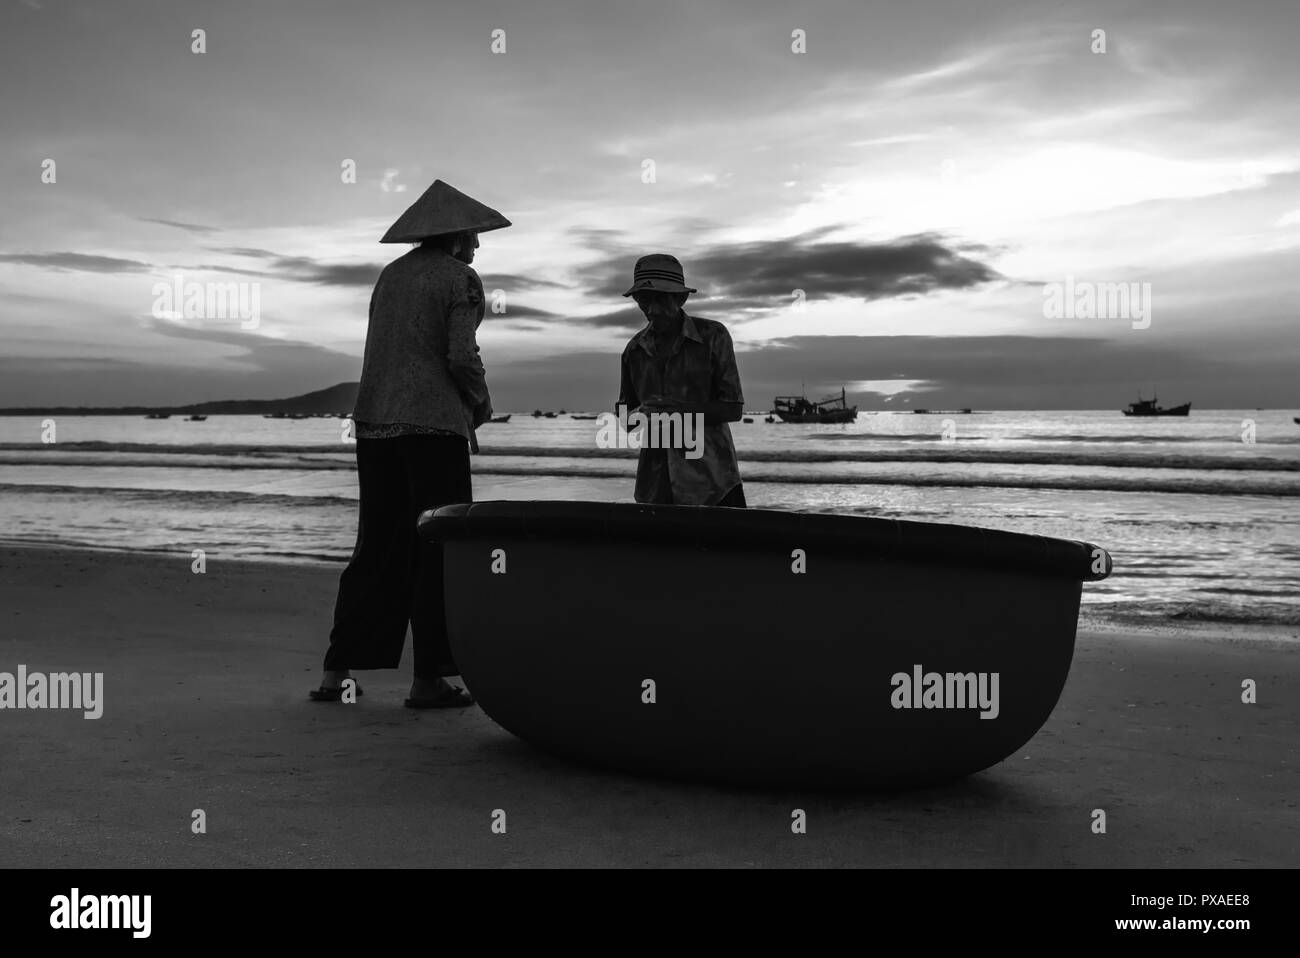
(658, 272)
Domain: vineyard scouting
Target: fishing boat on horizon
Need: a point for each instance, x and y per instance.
(505, 418)
(802, 409)
(1149, 407)
(196, 418)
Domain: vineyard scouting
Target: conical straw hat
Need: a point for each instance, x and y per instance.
(443, 209)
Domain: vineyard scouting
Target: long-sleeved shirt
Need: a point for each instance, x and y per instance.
(700, 368)
(422, 364)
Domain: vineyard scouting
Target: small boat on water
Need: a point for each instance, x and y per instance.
(505, 418)
(196, 418)
(1149, 407)
(770, 419)
(576, 416)
(748, 419)
(802, 409)
(916, 653)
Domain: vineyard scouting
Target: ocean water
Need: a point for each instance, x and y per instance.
(1199, 513)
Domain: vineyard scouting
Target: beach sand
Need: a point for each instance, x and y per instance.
(205, 708)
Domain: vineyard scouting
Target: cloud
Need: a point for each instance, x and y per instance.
(959, 69)
(340, 275)
(264, 353)
(307, 270)
(36, 381)
(191, 227)
(601, 238)
(512, 280)
(895, 140)
(77, 261)
(216, 268)
(243, 251)
(993, 372)
(707, 308)
(631, 319)
(742, 282)
(389, 183)
(763, 274)
(915, 264)
(943, 372)
(302, 269)
(515, 309)
(889, 387)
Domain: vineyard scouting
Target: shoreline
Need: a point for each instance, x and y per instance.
(205, 682)
(1090, 620)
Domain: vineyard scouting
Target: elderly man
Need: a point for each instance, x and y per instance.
(423, 393)
(682, 364)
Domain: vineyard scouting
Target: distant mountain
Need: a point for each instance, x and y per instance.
(335, 400)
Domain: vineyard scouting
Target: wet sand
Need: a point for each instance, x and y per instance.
(205, 708)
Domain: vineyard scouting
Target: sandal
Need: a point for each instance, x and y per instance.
(323, 694)
(449, 698)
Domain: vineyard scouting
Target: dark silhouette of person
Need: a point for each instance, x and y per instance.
(682, 364)
(422, 394)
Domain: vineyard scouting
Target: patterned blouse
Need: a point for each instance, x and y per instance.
(422, 374)
(391, 430)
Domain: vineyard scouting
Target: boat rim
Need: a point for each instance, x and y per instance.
(862, 536)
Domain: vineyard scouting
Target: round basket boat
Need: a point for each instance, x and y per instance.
(748, 646)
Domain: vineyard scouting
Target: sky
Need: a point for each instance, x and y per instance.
(880, 197)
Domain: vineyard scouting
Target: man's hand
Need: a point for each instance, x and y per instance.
(482, 413)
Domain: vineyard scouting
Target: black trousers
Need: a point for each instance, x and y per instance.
(735, 498)
(394, 578)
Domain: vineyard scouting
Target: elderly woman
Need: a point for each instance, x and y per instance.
(422, 395)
